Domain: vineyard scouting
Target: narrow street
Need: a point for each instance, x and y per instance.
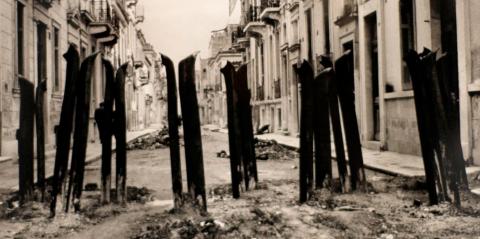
(392, 206)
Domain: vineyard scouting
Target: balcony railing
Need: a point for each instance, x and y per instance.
(277, 89)
(45, 3)
(253, 14)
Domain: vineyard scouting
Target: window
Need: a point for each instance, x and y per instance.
(407, 28)
(56, 59)
(20, 44)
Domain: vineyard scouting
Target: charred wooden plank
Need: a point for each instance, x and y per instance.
(344, 75)
(82, 113)
(25, 141)
(415, 68)
(104, 119)
(40, 127)
(64, 129)
(336, 122)
(191, 128)
(246, 125)
(173, 121)
(120, 132)
(305, 73)
(321, 129)
(228, 72)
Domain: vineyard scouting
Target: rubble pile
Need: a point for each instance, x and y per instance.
(271, 150)
(156, 140)
(185, 228)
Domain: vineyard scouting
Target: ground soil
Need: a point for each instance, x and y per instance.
(394, 207)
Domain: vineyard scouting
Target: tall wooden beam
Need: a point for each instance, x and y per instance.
(25, 140)
(305, 73)
(64, 129)
(228, 72)
(344, 76)
(120, 132)
(40, 127)
(192, 131)
(173, 121)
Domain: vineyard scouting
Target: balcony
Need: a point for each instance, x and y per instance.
(45, 3)
(105, 26)
(349, 13)
(277, 89)
(87, 10)
(271, 12)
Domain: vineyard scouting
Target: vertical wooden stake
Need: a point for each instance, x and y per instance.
(25, 141)
(321, 129)
(191, 128)
(228, 72)
(305, 73)
(41, 89)
(81, 132)
(335, 120)
(344, 70)
(173, 132)
(246, 126)
(104, 119)
(414, 66)
(120, 131)
(64, 129)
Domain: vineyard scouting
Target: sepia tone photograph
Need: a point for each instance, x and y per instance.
(209, 119)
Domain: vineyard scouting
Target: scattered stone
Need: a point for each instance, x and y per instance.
(271, 150)
(417, 203)
(156, 140)
(90, 187)
(222, 154)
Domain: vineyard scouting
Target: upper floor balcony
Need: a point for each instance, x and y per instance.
(348, 14)
(271, 12)
(105, 25)
(45, 3)
(258, 15)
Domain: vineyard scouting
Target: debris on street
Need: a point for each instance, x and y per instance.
(155, 140)
(271, 150)
(223, 154)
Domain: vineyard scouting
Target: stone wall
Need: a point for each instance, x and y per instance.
(402, 132)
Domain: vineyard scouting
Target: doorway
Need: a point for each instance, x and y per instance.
(373, 100)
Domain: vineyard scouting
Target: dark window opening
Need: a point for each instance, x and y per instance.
(408, 37)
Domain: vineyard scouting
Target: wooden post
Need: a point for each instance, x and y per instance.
(104, 119)
(191, 128)
(41, 89)
(336, 122)
(246, 126)
(344, 70)
(321, 129)
(120, 132)
(64, 129)
(434, 112)
(82, 112)
(25, 141)
(454, 146)
(305, 74)
(228, 72)
(173, 132)
(414, 66)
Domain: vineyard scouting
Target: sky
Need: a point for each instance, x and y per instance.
(178, 28)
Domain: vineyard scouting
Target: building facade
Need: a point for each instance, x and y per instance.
(211, 88)
(36, 33)
(281, 33)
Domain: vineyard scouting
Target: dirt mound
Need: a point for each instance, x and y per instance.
(271, 150)
(156, 140)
